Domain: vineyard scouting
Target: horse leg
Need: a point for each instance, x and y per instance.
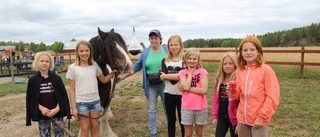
(104, 127)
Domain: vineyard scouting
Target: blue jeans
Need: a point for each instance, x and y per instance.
(154, 92)
(86, 107)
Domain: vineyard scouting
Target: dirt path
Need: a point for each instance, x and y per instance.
(13, 119)
(13, 111)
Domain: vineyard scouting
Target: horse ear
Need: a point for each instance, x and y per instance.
(112, 30)
(101, 33)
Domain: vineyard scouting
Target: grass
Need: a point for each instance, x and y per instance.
(297, 115)
(9, 88)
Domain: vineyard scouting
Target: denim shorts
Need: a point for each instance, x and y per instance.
(190, 117)
(86, 107)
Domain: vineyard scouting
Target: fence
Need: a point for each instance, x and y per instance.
(17, 69)
(302, 63)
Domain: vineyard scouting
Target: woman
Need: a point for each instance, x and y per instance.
(150, 63)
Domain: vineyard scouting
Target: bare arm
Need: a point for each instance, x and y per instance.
(72, 97)
(123, 76)
(186, 82)
(164, 76)
(204, 87)
(106, 79)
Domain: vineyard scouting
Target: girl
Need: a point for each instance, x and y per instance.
(171, 65)
(194, 87)
(84, 95)
(223, 110)
(46, 99)
(257, 88)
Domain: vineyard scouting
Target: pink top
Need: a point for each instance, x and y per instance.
(190, 100)
(232, 107)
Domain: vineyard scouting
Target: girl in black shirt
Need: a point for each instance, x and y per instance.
(47, 100)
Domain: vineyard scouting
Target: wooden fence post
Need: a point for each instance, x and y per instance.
(70, 57)
(302, 61)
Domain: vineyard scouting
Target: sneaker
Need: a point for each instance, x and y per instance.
(153, 135)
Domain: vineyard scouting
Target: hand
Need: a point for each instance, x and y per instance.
(53, 112)
(162, 75)
(114, 71)
(74, 112)
(121, 77)
(230, 89)
(214, 122)
(191, 69)
(180, 88)
(257, 124)
(236, 130)
(44, 111)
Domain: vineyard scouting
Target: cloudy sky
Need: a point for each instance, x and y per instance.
(49, 21)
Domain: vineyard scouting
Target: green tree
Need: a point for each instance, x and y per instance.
(9, 43)
(49, 47)
(2, 43)
(284, 39)
(57, 47)
(33, 47)
(42, 47)
(21, 46)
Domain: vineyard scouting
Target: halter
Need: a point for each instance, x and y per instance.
(115, 64)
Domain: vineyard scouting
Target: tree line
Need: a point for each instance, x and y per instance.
(307, 36)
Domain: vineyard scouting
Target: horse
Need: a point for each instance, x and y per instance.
(110, 53)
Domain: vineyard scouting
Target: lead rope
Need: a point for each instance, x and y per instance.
(69, 126)
(110, 97)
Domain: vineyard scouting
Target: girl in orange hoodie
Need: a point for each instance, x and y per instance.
(257, 88)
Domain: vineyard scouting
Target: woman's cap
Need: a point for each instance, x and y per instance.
(157, 32)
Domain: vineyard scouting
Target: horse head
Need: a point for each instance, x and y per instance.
(110, 50)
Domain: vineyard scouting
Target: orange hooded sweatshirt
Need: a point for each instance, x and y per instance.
(259, 94)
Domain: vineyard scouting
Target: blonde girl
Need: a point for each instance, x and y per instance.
(84, 95)
(223, 109)
(194, 87)
(171, 65)
(46, 99)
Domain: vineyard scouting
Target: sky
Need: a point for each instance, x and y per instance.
(52, 21)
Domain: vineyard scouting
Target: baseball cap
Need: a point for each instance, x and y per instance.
(157, 32)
